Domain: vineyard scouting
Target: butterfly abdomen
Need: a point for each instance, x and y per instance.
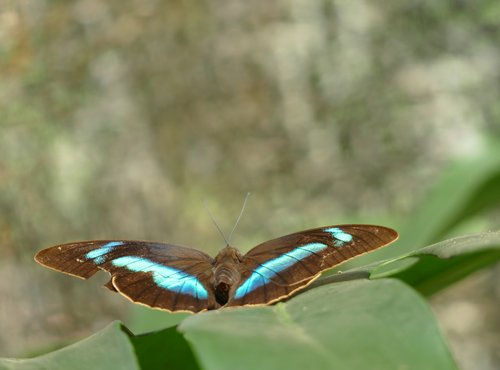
(226, 273)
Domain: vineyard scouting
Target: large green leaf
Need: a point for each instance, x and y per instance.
(109, 348)
(351, 325)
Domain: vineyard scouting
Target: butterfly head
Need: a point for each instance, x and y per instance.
(226, 273)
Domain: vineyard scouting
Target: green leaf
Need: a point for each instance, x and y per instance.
(165, 349)
(358, 324)
(110, 348)
(437, 266)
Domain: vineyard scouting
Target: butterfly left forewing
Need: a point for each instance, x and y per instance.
(277, 268)
(158, 275)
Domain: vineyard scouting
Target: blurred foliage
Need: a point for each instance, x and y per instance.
(117, 118)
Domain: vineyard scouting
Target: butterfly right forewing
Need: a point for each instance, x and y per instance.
(275, 269)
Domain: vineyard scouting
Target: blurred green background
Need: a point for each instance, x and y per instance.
(118, 118)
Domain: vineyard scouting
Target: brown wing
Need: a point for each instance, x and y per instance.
(275, 269)
(158, 275)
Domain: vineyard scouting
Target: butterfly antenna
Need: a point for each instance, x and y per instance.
(239, 216)
(215, 223)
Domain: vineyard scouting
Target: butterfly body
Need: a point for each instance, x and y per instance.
(227, 273)
(176, 278)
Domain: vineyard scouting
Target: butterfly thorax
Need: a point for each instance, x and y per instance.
(226, 273)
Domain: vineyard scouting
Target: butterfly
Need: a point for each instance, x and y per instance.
(176, 278)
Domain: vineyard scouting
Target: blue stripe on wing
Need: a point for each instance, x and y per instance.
(269, 269)
(99, 255)
(164, 277)
(341, 237)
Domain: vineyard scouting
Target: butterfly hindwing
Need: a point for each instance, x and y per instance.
(158, 275)
(277, 268)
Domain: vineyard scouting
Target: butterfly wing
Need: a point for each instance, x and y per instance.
(158, 275)
(275, 269)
